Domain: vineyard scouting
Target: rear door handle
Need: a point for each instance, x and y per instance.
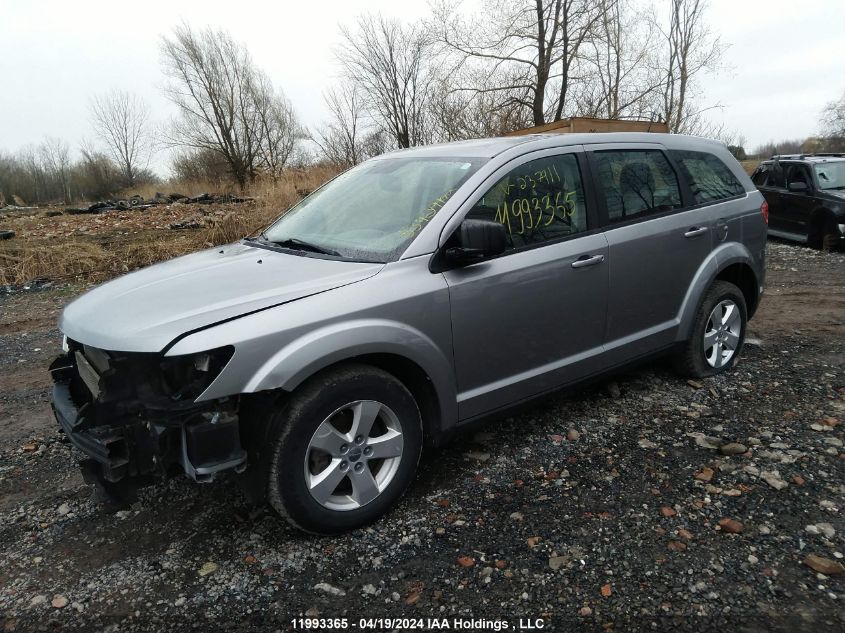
(587, 260)
(695, 231)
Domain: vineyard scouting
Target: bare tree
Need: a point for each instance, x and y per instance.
(458, 114)
(618, 65)
(122, 121)
(226, 105)
(95, 175)
(690, 49)
(35, 176)
(341, 140)
(529, 49)
(388, 63)
(55, 156)
(211, 85)
(277, 127)
(833, 119)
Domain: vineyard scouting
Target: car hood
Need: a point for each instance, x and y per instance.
(836, 194)
(146, 310)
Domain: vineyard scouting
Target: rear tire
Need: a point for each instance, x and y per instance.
(718, 333)
(345, 449)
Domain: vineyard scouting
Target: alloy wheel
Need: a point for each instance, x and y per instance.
(722, 333)
(353, 455)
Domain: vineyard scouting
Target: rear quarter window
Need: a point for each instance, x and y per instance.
(709, 178)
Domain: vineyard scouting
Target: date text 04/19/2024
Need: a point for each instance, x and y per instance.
(419, 624)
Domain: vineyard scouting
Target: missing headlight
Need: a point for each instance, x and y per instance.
(202, 362)
(188, 376)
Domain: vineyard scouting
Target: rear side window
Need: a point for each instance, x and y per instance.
(709, 178)
(539, 201)
(760, 176)
(636, 183)
(776, 177)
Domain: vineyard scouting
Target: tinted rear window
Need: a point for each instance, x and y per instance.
(760, 176)
(708, 177)
(636, 183)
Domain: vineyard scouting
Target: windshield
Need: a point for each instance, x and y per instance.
(831, 175)
(372, 212)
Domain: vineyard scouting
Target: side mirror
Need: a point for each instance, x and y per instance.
(798, 187)
(478, 239)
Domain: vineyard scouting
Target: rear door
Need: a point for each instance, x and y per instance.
(533, 318)
(657, 241)
(764, 179)
(773, 192)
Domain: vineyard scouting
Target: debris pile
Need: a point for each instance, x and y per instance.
(138, 202)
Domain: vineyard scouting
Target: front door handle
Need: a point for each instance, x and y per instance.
(587, 260)
(696, 231)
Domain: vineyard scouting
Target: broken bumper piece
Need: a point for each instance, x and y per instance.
(127, 434)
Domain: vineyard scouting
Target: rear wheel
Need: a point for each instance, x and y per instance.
(718, 333)
(345, 449)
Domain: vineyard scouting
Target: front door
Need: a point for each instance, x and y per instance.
(533, 318)
(797, 206)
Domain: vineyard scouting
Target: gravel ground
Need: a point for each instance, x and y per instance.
(648, 502)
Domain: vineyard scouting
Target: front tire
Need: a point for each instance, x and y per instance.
(345, 449)
(718, 333)
(824, 234)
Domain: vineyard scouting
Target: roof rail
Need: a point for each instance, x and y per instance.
(808, 155)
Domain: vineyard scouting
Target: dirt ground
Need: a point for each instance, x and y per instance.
(603, 510)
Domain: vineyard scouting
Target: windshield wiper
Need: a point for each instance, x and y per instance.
(301, 245)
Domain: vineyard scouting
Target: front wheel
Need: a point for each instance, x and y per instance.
(824, 234)
(346, 447)
(718, 333)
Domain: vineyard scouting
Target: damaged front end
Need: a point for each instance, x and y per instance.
(136, 417)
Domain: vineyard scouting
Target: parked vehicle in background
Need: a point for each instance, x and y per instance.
(806, 196)
(412, 295)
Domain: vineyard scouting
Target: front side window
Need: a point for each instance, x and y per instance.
(539, 201)
(831, 175)
(636, 183)
(374, 211)
(708, 177)
(798, 173)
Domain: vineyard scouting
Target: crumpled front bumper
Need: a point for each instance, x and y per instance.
(104, 444)
(201, 442)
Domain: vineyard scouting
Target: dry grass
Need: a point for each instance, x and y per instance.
(95, 248)
(264, 188)
(749, 165)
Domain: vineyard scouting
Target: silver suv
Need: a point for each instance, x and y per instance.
(416, 293)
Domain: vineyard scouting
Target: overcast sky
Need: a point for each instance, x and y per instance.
(786, 59)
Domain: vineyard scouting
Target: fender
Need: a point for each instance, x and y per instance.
(305, 356)
(317, 349)
(722, 256)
